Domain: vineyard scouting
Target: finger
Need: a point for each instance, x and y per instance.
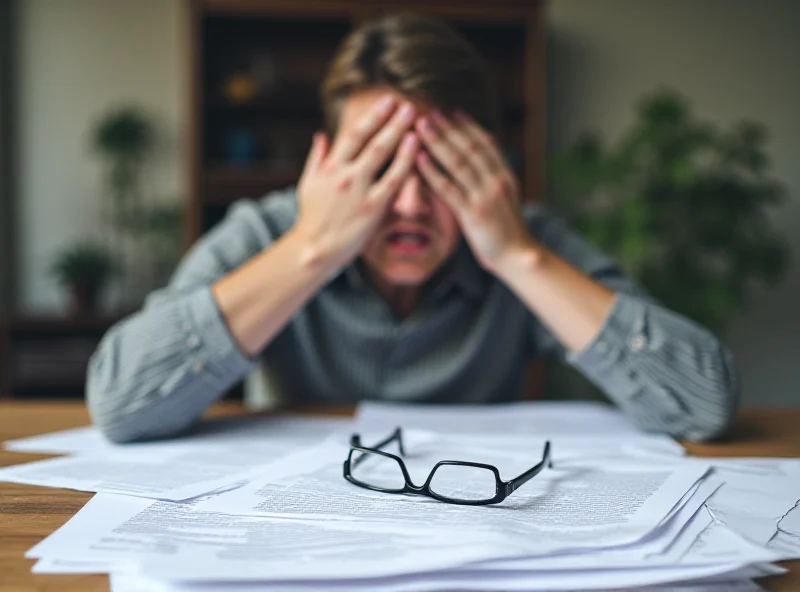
(483, 139)
(440, 184)
(381, 147)
(466, 143)
(454, 162)
(317, 153)
(350, 143)
(390, 182)
(499, 165)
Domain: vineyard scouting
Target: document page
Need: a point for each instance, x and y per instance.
(187, 469)
(577, 504)
(757, 495)
(173, 541)
(116, 528)
(530, 418)
(209, 432)
(464, 579)
(139, 583)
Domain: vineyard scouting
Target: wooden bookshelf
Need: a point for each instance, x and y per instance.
(46, 357)
(244, 146)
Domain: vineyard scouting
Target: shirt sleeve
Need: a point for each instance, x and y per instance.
(156, 372)
(667, 372)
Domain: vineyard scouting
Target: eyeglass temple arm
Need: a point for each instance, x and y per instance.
(397, 434)
(517, 482)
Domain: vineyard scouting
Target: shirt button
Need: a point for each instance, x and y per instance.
(198, 367)
(638, 343)
(193, 341)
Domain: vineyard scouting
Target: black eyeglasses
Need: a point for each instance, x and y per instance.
(452, 481)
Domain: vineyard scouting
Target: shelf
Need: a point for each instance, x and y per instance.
(48, 355)
(226, 183)
(302, 108)
(53, 324)
(286, 45)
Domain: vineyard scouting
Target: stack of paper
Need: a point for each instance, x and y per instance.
(256, 504)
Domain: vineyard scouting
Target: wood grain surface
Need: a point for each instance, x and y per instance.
(28, 514)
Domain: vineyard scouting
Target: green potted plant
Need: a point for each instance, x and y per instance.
(84, 268)
(148, 227)
(682, 205)
(124, 137)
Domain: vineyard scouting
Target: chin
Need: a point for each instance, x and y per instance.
(406, 275)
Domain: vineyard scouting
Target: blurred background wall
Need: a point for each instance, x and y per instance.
(7, 242)
(75, 59)
(731, 58)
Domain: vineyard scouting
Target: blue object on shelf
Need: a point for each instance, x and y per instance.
(241, 146)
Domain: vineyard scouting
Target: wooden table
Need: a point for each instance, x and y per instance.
(28, 514)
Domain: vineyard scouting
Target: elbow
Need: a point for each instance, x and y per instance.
(127, 411)
(111, 406)
(106, 399)
(714, 411)
(107, 411)
(702, 429)
(121, 422)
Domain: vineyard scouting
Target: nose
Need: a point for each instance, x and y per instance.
(411, 200)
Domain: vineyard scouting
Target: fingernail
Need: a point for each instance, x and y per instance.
(387, 103)
(426, 124)
(410, 140)
(407, 112)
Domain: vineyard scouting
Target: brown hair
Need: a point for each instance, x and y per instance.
(418, 56)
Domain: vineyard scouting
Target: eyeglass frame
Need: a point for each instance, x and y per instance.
(502, 488)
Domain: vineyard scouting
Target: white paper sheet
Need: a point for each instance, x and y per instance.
(174, 541)
(531, 418)
(213, 432)
(787, 536)
(211, 567)
(580, 503)
(138, 583)
(57, 543)
(233, 451)
(127, 529)
(757, 495)
(663, 546)
(54, 565)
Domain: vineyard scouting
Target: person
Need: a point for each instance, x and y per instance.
(402, 267)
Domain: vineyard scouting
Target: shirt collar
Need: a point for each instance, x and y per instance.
(462, 272)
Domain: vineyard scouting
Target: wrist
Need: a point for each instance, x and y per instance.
(312, 253)
(525, 257)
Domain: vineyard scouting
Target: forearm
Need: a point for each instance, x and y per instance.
(668, 373)
(155, 373)
(259, 298)
(570, 304)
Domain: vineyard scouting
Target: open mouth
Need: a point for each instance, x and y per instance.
(408, 241)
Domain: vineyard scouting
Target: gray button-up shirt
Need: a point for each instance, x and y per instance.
(469, 340)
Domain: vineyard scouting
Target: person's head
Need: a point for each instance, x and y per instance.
(425, 61)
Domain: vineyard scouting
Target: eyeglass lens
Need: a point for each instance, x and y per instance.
(463, 482)
(376, 470)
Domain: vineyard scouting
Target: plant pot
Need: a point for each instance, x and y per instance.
(83, 298)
